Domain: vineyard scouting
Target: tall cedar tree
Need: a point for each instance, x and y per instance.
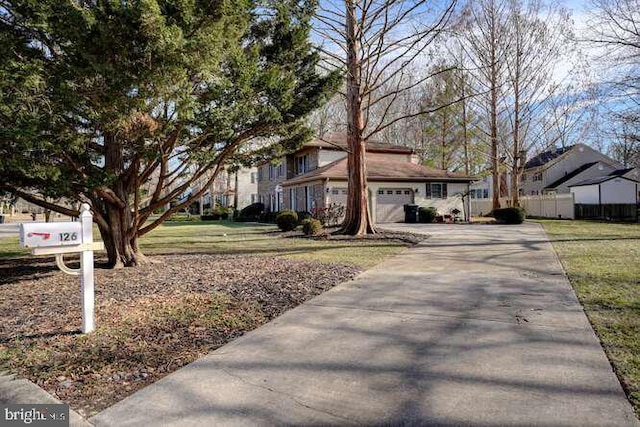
(100, 99)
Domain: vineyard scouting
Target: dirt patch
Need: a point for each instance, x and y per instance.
(151, 320)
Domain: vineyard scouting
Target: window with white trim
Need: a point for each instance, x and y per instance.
(302, 164)
(436, 190)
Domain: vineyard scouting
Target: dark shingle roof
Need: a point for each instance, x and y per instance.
(338, 141)
(381, 168)
(600, 180)
(546, 156)
(620, 172)
(570, 175)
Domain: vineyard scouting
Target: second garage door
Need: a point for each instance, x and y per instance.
(390, 204)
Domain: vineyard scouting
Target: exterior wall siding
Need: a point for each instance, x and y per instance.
(619, 191)
(586, 194)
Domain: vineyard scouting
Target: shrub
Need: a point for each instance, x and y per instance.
(222, 213)
(287, 220)
(311, 226)
(268, 216)
(302, 215)
(253, 210)
(510, 215)
(210, 217)
(427, 214)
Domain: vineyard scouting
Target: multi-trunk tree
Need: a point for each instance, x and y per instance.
(124, 105)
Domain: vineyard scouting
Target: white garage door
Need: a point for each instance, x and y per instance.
(390, 204)
(338, 195)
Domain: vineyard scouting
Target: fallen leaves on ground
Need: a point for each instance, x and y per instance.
(151, 319)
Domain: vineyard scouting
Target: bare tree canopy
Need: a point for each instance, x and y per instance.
(374, 42)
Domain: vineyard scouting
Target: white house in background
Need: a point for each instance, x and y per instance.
(605, 190)
(554, 171)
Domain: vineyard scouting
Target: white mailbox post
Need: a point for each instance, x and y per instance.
(59, 238)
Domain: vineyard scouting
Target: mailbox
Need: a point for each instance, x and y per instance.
(46, 234)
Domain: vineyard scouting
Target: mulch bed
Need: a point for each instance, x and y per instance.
(151, 320)
(332, 233)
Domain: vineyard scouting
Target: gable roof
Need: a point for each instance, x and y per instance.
(338, 141)
(620, 172)
(546, 156)
(600, 180)
(569, 176)
(381, 168)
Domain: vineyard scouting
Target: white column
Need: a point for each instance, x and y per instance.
(86, 265)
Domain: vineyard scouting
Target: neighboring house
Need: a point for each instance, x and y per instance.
(613, 189)
(483, 188)
(316, 176)
(554, 171)
(238, 189)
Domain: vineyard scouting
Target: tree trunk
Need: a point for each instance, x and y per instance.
(465, 132)
(495, 174)
(117, 221)
(357, 217)
(515, 169)
(120, 239)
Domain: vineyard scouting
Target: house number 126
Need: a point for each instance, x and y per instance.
(68, 237)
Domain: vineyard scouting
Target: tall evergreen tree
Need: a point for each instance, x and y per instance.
(100, 98)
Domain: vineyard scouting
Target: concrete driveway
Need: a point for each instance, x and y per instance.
(475, 326)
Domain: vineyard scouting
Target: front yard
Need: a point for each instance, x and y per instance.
(208, 284)
(603, 264)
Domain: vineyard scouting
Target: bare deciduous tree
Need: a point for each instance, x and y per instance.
(537, 34)
(375, 41)
(485, 43)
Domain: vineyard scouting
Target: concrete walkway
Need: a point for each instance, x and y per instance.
(476, 326)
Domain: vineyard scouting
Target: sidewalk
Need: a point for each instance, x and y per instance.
(476, 326)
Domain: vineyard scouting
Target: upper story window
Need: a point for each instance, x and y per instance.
(302, 164)
(524, 177)
(260, 173)
(254, 178)
(280, 171)
(537, 176)
(271, 172)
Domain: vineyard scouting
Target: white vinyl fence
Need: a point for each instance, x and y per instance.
(545, 206)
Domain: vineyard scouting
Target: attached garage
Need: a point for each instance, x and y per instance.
(338, 195)
(390, 204)
(391, 184)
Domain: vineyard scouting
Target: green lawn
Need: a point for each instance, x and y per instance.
(603, 264)
(227, 237)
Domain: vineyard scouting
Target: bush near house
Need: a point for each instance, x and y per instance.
(510, 215)
(427, 214)
(268, 217)
(287, 220)
(311, 226)
(250, 213)
(302, 215)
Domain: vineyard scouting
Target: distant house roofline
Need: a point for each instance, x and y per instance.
(570, 175)
(601, 179)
